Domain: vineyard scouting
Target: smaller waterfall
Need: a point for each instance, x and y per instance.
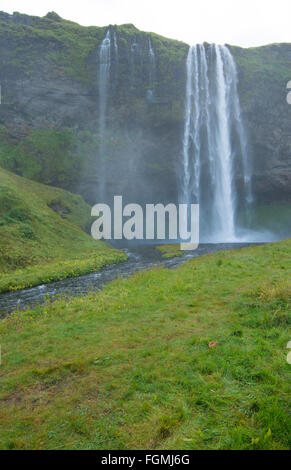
(114, 62)
(247, 167)
(152, 71)
(134, 50)
(214, 142)
(104, 70)
(104, 75)
(152, 62)
(115, 45)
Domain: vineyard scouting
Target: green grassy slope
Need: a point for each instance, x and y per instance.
(133, 367)
(42, 234)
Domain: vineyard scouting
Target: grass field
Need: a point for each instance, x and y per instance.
(191, 358)
(42, 234)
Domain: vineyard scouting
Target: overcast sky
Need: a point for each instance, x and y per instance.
(240, 22)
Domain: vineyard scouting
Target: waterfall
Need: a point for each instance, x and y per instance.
(152, 71)
(104, 75)
(214, 142)
(134, 51)
(115, 46)
(224, 196)
(152, 65)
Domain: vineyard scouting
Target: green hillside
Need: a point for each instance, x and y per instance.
(42, 234)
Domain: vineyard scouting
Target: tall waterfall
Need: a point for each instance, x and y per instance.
(104, 75)
(214, 142)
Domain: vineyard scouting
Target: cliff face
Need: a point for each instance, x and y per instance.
(263, 74)
(50, 111)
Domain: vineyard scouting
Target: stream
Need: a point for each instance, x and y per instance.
(139, 258)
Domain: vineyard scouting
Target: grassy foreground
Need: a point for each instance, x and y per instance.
(192, 358)
(42, 234)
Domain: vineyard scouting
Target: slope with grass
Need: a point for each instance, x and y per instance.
(42, 234)
(132, 367)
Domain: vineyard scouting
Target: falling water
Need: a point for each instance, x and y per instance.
(188, 128)
(152, 63)
(152, 71)
(214, 142)
(134, 51)
(116, 59)
(104, 75)
(115, 45)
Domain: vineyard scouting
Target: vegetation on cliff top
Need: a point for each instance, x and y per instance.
(263, 73)
(68, 45)
(42, 235)
(191, 358)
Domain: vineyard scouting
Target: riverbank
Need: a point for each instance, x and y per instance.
(191, 358)
(139, 258)
(91, 260)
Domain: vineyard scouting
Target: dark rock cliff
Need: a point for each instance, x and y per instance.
(263, 74)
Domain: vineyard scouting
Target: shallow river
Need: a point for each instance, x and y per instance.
(139, 258)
